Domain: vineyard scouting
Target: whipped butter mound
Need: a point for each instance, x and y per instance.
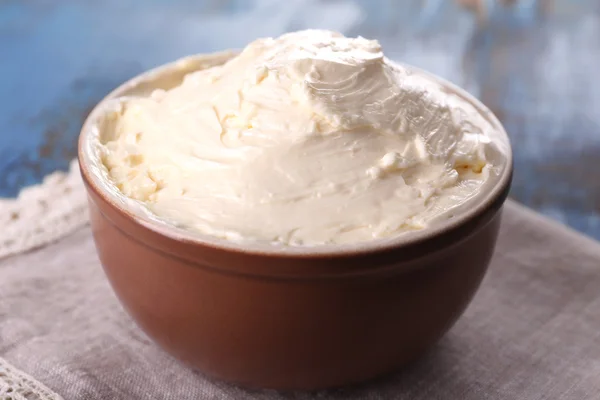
(307, 139)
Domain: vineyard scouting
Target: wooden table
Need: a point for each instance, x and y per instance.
(534, 63)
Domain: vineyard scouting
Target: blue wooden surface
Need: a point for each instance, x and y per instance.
(536, 64)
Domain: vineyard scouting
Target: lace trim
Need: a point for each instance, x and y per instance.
(39, 215)
(43, 213)
(17, 385)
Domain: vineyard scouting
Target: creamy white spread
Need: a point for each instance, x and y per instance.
(311, 138)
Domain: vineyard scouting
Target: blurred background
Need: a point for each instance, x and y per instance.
(534, 63)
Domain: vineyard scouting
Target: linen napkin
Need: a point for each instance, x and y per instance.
(531, 332)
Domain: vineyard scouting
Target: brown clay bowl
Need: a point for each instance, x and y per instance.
(286, 318)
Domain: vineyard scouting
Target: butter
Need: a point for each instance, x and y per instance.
(307, 139)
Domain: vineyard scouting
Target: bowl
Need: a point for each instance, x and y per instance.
(285, 317)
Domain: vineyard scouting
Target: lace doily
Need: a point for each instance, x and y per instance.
(39, 215)
(43, 213)
(17, 385)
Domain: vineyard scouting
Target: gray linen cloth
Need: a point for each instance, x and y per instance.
(532, 331)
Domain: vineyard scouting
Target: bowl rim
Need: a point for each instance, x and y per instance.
(124, 205)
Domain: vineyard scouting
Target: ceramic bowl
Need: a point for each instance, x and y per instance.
(277, 317)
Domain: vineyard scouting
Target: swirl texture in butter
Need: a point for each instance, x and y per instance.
(306, 139)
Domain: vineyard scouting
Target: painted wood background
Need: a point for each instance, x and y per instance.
(534, 63)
